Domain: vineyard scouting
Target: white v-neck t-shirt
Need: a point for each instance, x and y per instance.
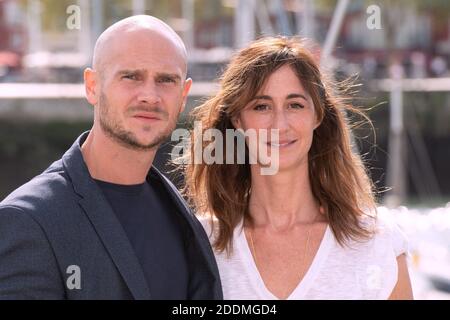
(365, 270)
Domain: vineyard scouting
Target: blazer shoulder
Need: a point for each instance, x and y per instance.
(50, 190)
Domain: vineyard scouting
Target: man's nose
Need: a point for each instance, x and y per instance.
(149, 93)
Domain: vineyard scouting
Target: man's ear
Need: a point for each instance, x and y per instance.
(90, 85)
(186, 88)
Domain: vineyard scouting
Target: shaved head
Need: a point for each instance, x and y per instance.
(136, 28)
(138, 82)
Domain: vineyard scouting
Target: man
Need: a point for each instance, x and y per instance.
(102, 223)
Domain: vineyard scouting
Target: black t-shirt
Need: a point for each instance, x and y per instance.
(155, 231)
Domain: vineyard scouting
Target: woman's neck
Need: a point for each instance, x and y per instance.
(283, 200)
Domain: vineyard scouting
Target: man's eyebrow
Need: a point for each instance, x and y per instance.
(174, 76)
(129, 71)
(289, 96)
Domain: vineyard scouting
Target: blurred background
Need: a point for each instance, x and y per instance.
(399, 51)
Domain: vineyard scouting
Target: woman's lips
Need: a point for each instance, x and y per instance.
(281, 144)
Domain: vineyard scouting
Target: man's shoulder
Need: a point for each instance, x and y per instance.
(169, 187)
(50, 189)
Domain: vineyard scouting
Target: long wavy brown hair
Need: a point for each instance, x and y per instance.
(337, 175)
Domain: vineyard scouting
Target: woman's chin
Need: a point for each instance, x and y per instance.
(283, 164)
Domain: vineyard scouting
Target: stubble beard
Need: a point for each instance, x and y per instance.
(128, 139)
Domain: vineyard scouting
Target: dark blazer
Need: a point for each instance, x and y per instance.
(60, 219)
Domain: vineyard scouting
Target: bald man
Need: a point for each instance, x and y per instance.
(102, 222)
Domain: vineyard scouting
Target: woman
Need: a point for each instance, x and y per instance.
(310, 231)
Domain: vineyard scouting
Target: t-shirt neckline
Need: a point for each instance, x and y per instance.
(133, 189)
(305, 283)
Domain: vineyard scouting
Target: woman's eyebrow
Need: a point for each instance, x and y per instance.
(289, 96)
(296, 95)
(262, 98)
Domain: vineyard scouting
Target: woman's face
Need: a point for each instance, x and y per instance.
(282, 104)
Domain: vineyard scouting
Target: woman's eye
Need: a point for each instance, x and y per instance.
(261, 107)
(296, 106)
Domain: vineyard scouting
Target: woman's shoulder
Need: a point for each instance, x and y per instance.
(209, 224)
(389, 229)
(386, 233)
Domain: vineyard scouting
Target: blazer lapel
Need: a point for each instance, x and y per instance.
(105, 222)
(116, 242)
(200, 237)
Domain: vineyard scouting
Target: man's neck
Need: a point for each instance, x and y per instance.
(109, 161)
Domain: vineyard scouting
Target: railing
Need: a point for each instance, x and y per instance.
(73, 91)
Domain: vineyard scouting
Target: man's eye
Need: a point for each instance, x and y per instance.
(130, 77)
(296, 106)
(167, 79)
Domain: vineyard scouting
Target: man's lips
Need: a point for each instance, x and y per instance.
(146, 116)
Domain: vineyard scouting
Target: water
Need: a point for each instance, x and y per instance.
(428, 232)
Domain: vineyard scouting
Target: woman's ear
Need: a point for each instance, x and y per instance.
(318, 119)
(318, 122)
(236, 122)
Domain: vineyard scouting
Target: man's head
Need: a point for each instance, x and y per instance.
(138, 82)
